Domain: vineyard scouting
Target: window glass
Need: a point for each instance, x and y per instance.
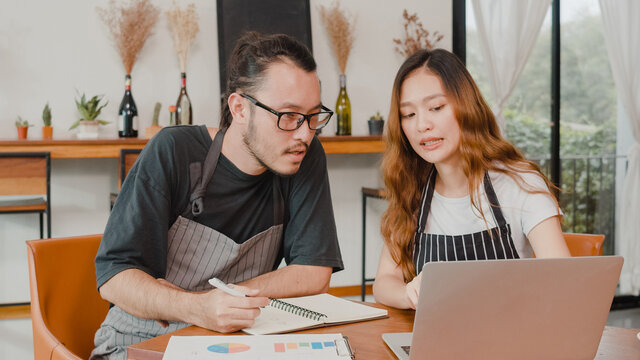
(592, 131)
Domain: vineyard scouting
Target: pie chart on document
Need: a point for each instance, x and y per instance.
(228, 348)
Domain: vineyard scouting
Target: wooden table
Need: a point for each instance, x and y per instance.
(365, 338)
(110, 148)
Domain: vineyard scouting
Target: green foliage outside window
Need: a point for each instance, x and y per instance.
(588, 116)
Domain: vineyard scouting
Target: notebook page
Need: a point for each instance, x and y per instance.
(274, 321)
(337, 309)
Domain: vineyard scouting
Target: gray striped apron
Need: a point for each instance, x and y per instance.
(196, 253)
(495, 243)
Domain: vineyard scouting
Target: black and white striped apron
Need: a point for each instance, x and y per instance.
(196, 253)
(495, 243)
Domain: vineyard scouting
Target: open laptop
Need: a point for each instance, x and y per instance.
(511, 309)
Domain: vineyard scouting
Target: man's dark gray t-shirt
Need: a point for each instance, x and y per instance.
(157, 188)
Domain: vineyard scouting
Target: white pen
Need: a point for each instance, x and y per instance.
(226, 288)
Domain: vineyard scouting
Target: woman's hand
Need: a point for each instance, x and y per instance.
(390, 287)
(412, 291)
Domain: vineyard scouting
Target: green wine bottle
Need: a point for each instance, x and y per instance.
(343, 109)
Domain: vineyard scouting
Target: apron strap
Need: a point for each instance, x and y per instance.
(493, 200)
(427, 196)
(200, 177)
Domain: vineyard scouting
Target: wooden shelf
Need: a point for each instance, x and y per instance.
(74, 149)
(110, 148)
(352, 144)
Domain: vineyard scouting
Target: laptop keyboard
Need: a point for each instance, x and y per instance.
(406, 349)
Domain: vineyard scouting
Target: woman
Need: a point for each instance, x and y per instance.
(457, 189)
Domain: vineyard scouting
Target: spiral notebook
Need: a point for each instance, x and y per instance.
(307, 312)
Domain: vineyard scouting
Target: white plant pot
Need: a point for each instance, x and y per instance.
(88, 130)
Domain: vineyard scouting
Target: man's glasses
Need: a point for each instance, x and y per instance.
(289, 121)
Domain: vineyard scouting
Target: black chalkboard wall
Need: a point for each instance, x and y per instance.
(235, 17)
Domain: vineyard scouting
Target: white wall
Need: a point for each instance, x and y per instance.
(48, 50)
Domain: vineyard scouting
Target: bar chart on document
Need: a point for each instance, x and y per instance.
(258, 347)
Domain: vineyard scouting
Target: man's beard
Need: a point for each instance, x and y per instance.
(249, 139)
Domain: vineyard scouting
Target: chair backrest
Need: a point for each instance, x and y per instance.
(584, 244)
(128, 157)
(24, 173)
(66, 308)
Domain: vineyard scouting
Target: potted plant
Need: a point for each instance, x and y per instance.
(22, 126)
(376, 124)
(47, 130)
(89, 111)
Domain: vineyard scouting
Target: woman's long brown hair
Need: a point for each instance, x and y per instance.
(482, 148)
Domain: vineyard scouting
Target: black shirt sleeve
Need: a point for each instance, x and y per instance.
(137, 229)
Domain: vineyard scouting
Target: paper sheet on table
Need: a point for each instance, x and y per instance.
(258, 347)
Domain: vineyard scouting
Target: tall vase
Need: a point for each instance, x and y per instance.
(343, 109)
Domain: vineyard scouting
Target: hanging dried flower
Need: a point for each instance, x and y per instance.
(130, 26)
(415, 36)
(340, 31)
(184, 26)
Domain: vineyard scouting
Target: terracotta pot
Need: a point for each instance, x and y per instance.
(22, 131)
(47, 132)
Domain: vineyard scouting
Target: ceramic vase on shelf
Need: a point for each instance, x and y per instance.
(88, 130)
(172, 115)
(343, 109)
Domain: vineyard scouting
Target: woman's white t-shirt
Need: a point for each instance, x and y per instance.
(522, 210)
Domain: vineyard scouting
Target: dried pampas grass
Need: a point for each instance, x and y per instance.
(130, 26)
(340, 31)
(415, 36)
(184, 26)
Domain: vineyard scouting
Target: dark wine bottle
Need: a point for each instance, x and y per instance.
(128, 113)
(184, 115)
(343, 109)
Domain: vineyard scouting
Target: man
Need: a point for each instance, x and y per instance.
(228, 203)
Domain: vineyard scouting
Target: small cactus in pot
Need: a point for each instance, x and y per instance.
(47, 130)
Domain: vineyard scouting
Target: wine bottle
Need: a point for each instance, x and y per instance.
(128, 113)
(184, 116)
(343, 109)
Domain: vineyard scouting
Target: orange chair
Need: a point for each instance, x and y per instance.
(584, 244)
(66, 308)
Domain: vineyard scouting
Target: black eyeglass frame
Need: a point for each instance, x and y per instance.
(303, 117)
